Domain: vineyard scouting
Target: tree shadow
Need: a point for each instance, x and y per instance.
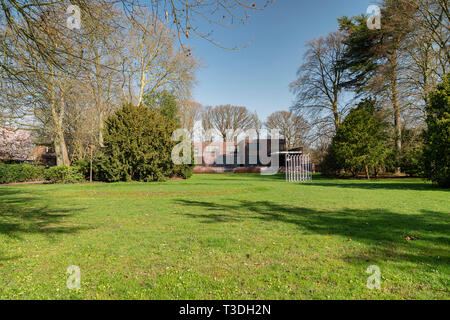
(379, 184)
(381, 229)
(21, 213)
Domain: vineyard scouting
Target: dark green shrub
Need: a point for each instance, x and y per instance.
(84, 167)
(138, 146)
(165, 102)
(360, 143)
(437, 135)
(411, 159)
(101, 168)
(184, 171)
(329, 165)
(10, 173)
(64, 174)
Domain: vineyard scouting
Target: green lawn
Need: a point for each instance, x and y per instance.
(226, 237)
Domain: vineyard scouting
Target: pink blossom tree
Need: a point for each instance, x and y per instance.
(15, 144)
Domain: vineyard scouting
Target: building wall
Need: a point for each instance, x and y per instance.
(245, 153)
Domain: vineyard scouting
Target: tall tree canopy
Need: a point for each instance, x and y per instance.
(437, 135)
(400, 62)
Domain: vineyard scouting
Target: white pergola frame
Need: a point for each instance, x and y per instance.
(298, 166)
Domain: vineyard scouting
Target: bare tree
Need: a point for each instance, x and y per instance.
(434, 17)
(190, 112)
(318, 87)
(47, 86)
(228, 120)
(46, 68)
(155, 61)
(104, 43)
(293, 127)
(256, 124)
(426, 48)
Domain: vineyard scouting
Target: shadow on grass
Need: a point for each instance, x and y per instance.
(382, 230)
(22, 214)
(377, 185)
(323, 181)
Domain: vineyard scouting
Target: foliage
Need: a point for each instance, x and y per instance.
(411, 158)
(358, 56)
(64, 174)
(10, 173)
(138, 145)
(360, 142)
(165, 102)
(185, 170)
(84, 167)
(437, 135)
(15, 144)
(329, 165)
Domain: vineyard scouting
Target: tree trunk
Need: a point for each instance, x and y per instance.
(367, 171)
(337, 120)
(396, 111)
(62, 156)
(101, 127)
(142, 84)
(100, 104)
(90, 169)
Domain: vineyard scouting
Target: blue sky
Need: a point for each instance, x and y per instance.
(258, 76)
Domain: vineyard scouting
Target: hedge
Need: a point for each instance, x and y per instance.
(64, 174)
(10, 173)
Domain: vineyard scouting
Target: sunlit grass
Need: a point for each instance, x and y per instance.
(226, 237)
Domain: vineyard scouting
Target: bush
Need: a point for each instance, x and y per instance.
(184, 171)
(329, 165)
(10, 173)
(64, 174)
(138, 146)
(437, 135)
(360, 141)
(84, 167)
(411, 159)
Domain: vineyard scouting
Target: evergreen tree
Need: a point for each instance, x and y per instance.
(165, 102)
(138, 145)
(375, 58)
(360, 142)
(437, 135)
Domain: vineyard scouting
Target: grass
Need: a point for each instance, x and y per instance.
(226, 237)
